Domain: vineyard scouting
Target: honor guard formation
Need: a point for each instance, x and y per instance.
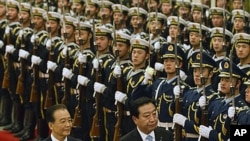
(124, 70)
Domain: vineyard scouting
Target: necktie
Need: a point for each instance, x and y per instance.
(149, 138)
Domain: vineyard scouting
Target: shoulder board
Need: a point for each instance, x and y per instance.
(72, 45)
(88, 52)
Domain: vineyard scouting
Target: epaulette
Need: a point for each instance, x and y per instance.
(3, 23)
(240, 109)
(126, 69)
(88, 52)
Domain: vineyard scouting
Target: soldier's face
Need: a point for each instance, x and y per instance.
(217, 20)
(194, 38)
(169, 65)
(118, 17)
(54, 25)
(154, 25)
(136, 21)
(12, 13)
(238, 24)
(147, 118)
(139, 57)
(183, 12)
(85, 36)
(2, 10)
(196, 16)
(247, 94)
(152, 5)
(25, 16)
(243, 51)
(166, 8)
(39, 22)
(103, 43)
(62, 125)
(61, 3)
(205, 73)
(225, 84)
(123, 50)
(79, 8)
(91, 10)
(217, 44)
(173, 31)
(105, 13)
(237, 4)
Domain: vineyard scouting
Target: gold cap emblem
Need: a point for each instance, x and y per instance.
(226, 65)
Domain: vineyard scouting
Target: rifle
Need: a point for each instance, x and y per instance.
(204, 112)
(6, 76)
(66, 95)
(178, 100)
(35, 94)
(119, 105)
(50, 98)
(20, 81)
(82, 68)
(95, 128)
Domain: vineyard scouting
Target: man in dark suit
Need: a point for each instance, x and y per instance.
(144, 115)
(60, 123)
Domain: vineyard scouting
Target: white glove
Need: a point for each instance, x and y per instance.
(10, 49)
(35, 60)
(67, 73)
(183, 75)
(48, 44)
(33, 38)
(159, 67)
(95, 63)
(204, 131)
(7, 30)
(202, 101)
(51, 65)
(231, 112)
(179, 119)
(99, 87)
(82, 80)
(23, 54)
(82, 58)
(147, 77)
(120, 96)
(1, 43)
(177, 91)
(157, 46)
(117, 71)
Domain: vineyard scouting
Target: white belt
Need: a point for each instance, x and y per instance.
(191, 135)
(165, 124)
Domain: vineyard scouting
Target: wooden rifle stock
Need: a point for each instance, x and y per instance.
(119, 114)
(34, 94)
(20, 81)
(50, 95)
(6, 77)
(95, 128)
(78, 109)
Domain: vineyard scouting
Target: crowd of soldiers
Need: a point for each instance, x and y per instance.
(96, 56)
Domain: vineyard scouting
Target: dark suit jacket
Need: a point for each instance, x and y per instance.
(160, 135)
(69, 139)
